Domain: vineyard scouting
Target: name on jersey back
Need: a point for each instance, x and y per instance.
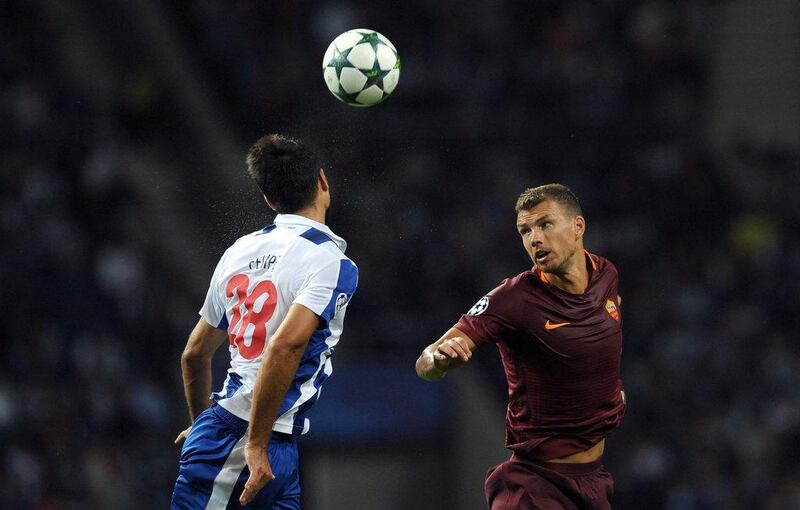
(265, 262)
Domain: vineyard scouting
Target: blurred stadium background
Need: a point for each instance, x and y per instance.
(124, 128)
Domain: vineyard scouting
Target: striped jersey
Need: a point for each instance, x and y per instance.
(562, 356)
(294, 260)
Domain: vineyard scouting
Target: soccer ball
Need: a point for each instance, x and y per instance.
(361, 67)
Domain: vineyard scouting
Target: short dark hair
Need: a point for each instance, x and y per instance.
(532, 197)
(285, 171)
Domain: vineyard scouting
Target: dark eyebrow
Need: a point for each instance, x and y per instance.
(544, 218)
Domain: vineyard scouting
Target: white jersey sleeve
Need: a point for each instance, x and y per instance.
(213, 310)
(327, 290)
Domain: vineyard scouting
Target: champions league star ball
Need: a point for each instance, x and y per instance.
(361, 67)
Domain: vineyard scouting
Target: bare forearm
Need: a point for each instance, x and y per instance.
(274, 377)
(196, 384)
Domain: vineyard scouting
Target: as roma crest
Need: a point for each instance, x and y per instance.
(611, 308)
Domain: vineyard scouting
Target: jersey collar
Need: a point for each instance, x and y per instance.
(296, 219)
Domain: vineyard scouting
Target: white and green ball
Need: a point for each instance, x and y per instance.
(361, 67)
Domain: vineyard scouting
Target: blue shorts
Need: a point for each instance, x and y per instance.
(213, 470)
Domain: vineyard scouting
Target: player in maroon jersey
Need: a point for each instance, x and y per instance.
(558, 328)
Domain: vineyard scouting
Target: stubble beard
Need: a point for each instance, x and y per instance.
(565, 266)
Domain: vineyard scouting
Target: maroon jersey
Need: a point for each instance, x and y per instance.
(561, 354)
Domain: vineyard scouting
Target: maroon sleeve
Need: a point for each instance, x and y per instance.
(490, 319)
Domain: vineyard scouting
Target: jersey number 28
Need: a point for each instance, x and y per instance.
(264, 294)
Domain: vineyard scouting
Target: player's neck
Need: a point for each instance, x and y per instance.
(575, 279)
(313, 212)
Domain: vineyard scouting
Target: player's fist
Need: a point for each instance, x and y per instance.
(451, 350)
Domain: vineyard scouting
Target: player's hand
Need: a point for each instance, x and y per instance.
(260, 472)
(451, 350)
(183, 435)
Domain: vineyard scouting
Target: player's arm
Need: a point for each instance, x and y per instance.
(277, 371)
(453, 349)
(204, 340)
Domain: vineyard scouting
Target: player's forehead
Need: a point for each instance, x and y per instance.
(542, 210)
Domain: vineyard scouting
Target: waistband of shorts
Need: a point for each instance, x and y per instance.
(581, 468)
(239, 425)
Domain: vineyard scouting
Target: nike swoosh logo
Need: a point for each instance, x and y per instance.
(550, 326)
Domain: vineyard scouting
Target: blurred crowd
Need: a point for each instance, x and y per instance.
(87, 400)
(606, 97)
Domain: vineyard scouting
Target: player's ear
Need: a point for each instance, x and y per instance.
(323, 180)
(580, 227)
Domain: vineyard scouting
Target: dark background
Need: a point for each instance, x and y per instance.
(123, 134)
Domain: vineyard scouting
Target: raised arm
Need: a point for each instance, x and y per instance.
(453, 349)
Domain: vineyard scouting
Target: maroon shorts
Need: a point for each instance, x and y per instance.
(522, 484)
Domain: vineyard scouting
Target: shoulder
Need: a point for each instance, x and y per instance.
(605, 274)
(321, 244)
(604, 265)
(509, 290)
(316, 256)
(258, 236)
(511, 285)
(500, 310)
(241, 247)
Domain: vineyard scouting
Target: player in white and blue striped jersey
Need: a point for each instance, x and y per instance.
(279, 297)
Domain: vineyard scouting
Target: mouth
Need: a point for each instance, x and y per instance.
(540, 256)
